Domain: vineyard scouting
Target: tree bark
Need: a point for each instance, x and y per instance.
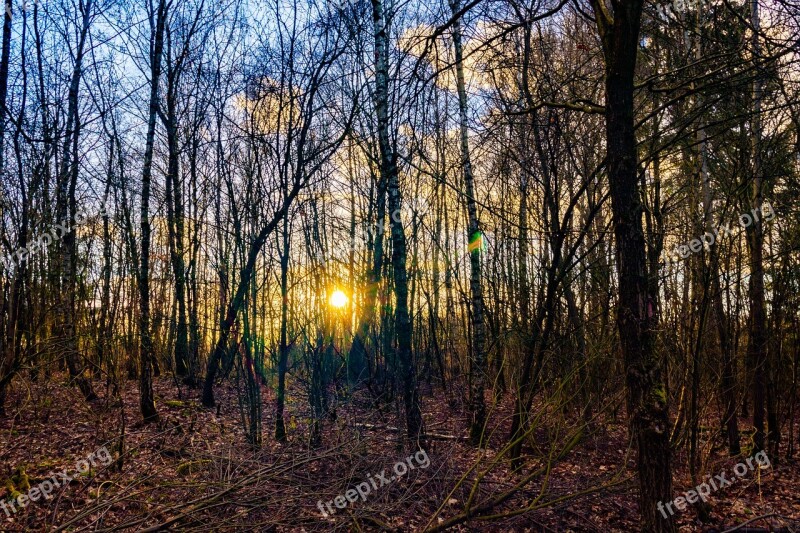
(389, 172)
(375, 245)
(146, 355)
(757, 346)
(475, 239)
(618, 26)
(283, 356)
(175, 227)
(9, 361)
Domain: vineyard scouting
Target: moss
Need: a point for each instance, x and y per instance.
(17, 483)
(175, 403)
(21, 480)
(660, 394)
(189, 467)
(749, 444)
(46, 464)
(24, 482)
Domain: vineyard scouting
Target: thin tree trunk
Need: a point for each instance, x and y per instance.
(475, 239)
(66, 211)
(757, 347)
(9, 361)
(192, 292)
(389, 172)
(5, 58)
(283, 356)
(146, 355)
(105, 331)
(234, 306)
(375, 245)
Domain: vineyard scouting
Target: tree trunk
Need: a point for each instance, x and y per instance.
(283, 356)
(8, 361)
(146, 355)
(66, 210)
(475, 239)
(192, 292)
(637, 319)
(757, 346)
(175, 226)
(389, 173)
(232, 309)
(359, 348)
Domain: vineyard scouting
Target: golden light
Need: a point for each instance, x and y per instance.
(338, 299)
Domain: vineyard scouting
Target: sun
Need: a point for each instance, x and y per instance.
(338, 299)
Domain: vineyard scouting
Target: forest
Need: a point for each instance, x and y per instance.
(400, 265)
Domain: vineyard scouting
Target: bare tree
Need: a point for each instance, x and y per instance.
(146, 356)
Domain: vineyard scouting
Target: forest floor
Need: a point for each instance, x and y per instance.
(194, 470)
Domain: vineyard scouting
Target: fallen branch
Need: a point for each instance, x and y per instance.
(433, 436)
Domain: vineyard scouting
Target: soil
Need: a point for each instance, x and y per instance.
(194, 469)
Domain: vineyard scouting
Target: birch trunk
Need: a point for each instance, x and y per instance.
(389, 173)
(475, 239)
